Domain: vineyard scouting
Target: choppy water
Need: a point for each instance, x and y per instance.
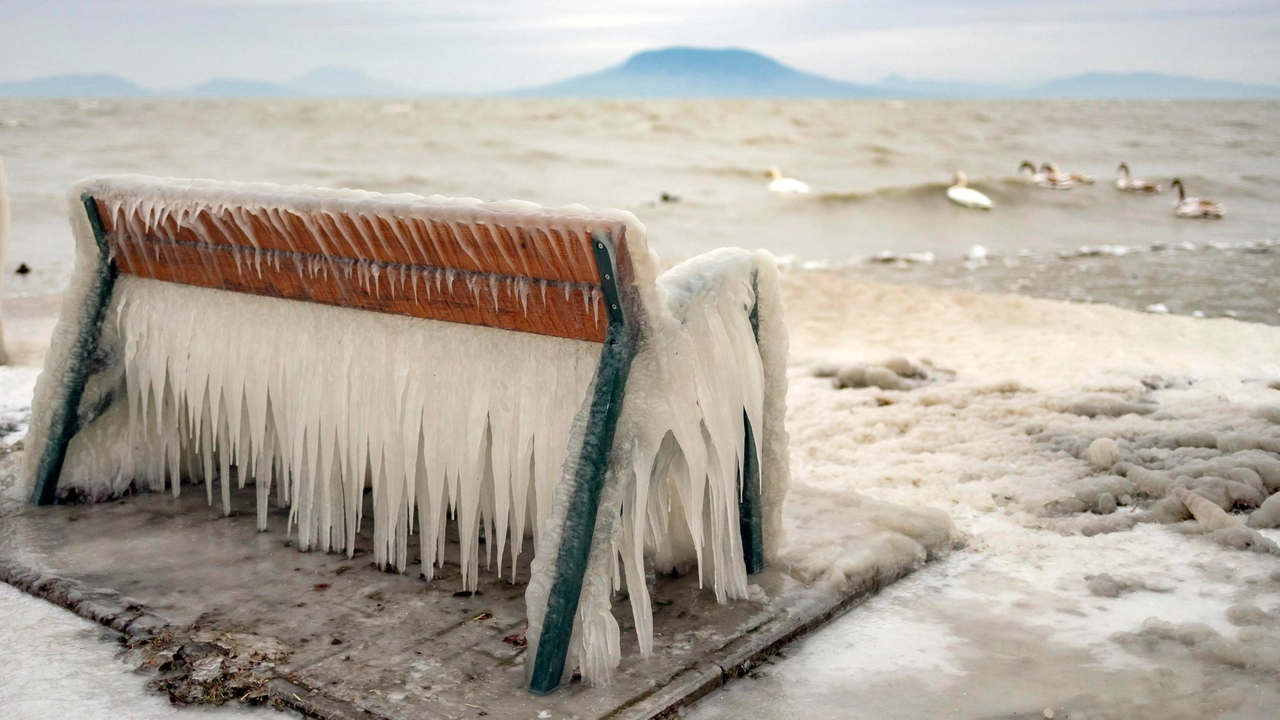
(877, 168)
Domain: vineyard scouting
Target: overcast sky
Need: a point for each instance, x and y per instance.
(486, 45)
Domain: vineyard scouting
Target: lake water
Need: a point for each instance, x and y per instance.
(878, 170)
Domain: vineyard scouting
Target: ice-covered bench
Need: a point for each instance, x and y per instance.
(507, 365)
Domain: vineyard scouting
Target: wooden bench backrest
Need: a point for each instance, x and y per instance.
(508, 266)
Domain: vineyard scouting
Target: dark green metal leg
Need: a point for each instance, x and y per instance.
(750, 523)
(750, 513)
(580, 520)
(65, 421)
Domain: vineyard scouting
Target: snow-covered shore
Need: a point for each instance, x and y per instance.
(1050, 605)
(993, 436)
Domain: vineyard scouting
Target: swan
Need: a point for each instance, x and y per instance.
(1194, 207)
(1063, 178)
(1039, 177)
(1055, 180)
(781, 184)
(1128, 184)
(1073, 176)
(962, 194)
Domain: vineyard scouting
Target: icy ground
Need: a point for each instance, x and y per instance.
(995, 430)
(58, 665)
(55, 663)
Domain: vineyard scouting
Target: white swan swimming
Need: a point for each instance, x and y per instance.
(1194, 207)
(1128, 184)
(1039, 177)
(781, 184)
(1055, 179)
(1073, 176)
(962, 194)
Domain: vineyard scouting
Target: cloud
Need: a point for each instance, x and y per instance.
(1230, 48)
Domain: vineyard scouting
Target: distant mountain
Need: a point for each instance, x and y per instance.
(673, 72)
(84, 86)
(1090, 86)
(698, 72)
(1150, 86)
(332, 82)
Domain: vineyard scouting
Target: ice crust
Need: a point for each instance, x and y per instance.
(438, 421)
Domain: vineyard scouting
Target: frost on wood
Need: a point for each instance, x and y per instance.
(317, 404)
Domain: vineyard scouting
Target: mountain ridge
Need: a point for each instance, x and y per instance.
(325, 82)
(699, 72)
(674, 72)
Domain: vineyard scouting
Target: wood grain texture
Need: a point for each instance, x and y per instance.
(286, 258)
(500, 245)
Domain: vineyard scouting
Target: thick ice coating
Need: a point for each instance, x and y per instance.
(673, 486)
(438, 421)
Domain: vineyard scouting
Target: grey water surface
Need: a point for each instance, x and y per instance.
(877, 169)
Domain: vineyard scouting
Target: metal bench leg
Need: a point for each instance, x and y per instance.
(750, 512)
(580, 521)
(750, 522)
(64, 422)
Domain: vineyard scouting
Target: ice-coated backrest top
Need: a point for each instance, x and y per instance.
(511, 265)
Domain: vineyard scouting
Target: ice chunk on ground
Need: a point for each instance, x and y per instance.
(1103, 453)
(1244, 614)
(1103, 585)
(1267, 516)
(1106, 504)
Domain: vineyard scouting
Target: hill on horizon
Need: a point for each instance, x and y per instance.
(676, 72)
(74, 86)
(327, 82)
(701, 72)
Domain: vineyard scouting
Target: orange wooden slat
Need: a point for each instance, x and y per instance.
(499, 245)
(345, 282)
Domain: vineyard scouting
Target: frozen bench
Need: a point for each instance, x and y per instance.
(510, 366)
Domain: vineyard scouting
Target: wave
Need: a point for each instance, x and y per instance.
(891, 192)
(754, 173)
(929, 190)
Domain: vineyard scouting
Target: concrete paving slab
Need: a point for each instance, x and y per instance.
(177, 579)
